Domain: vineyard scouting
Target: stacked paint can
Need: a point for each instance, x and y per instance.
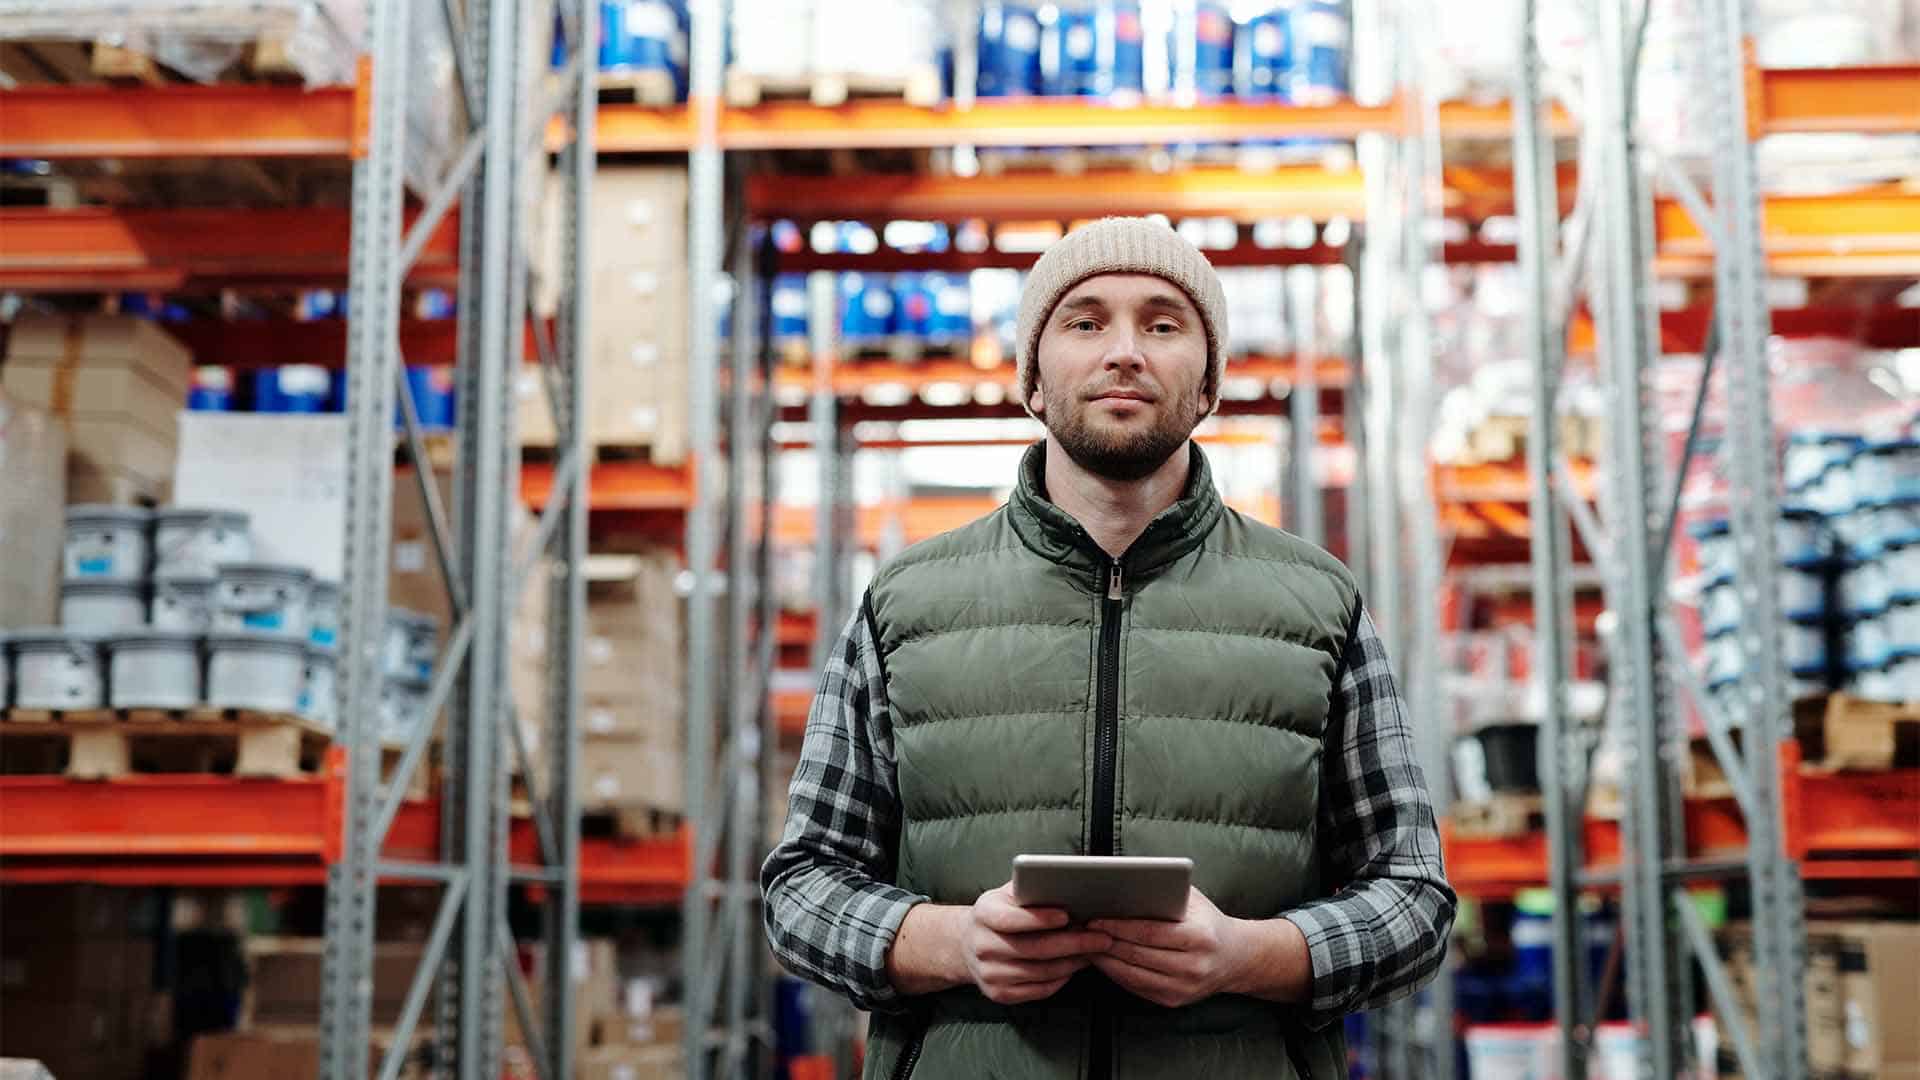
(643, 36)
(164, 609)
(1096, 49)
(1009, 49)
(1850, 583)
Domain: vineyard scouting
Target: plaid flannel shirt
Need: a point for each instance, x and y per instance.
(832, 913)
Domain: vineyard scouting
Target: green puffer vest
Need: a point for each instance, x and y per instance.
(1048, 699)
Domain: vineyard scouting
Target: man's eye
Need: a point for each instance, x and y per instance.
(1164, 328)
(1083, 324)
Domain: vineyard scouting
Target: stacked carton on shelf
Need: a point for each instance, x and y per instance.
(1859, 983)
(33, 459)
(76, 979)
(636, 379)
(117, 385)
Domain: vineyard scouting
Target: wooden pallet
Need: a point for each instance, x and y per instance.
(654, 88)
(1855, 734)
(920, 86)
(630, 822)
(101, 744)
(1500, 815)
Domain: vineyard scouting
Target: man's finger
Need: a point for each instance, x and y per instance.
(1139, 981)
(1053, 946)
(1165, 961)
(1028, 992)
(1000, 914)
(1149, 932)
(1026, 971)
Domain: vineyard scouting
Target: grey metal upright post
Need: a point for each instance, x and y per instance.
(823, 414)
(566, 591)
(1753, 500)
(1537, 206)
(1625, 331)
(706, 181)
(1303, 405)
(373, 290)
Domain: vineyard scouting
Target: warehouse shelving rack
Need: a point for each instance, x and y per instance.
(166, 249)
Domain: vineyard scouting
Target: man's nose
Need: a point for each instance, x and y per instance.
(1123, 351)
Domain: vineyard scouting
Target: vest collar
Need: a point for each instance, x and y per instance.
(1053, 534)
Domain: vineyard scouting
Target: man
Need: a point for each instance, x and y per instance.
(1112, 663)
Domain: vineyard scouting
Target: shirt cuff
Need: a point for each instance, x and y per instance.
(879, 911)
(1341, 950)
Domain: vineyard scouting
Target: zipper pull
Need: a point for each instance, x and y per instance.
(1114, 581)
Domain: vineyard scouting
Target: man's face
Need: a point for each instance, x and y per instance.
(1119, 374)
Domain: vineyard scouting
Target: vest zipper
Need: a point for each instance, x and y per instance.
(911, 1056)
(1106, 739)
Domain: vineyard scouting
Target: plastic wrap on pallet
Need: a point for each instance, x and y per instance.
(202, 38)
(772, 38)
(892, 40)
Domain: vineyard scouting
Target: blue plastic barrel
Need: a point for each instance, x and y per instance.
(1200, 49)
(1009, 43)
(212, 390)
(1263, 59)
(789, 305)
(1095, 50)
(952, 323)
(912, 306)
(866, 308)
(295, 388)
(432, 397)
(1322, 37)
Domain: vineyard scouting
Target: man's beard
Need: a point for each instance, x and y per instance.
(1123, 456)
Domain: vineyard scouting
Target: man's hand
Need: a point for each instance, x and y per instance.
(1205, 953)
(1016, 954)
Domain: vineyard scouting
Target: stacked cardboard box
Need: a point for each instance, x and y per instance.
(33, 459)
(1860, 985)
(636, 382)
(631, 677)
(117, 384)
(76, 979)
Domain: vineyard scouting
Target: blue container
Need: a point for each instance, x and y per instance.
(432, 389)
(1096, 50)
(1263, 57)
(1200, 49)
(1009, 44)
(912, 306)
(643, 35)
(212, 390)
(295, 388)
(1322, 43)
(789, 307)
(319, 304)
(866, 308)
(952, 321)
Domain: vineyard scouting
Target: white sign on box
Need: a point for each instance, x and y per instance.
(288, 473)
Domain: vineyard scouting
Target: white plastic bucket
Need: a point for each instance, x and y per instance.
(1803, 589)
(6, 672)
(1725, 661)
(1903, 674)
(1803, 644)
(319, 701)
(154, 669)
(1878, 681)
(1869, 639)
(1802, 534)
(107, 543)
(323, 613)
(1902, 561)
(183, 604)
(102, 606)
(1616, 1053)
(1809, 453)
(1903, 623)
(1719, 605)
(1887, 470)
(1510, 1051)
(262, 596)
(57, 669)
(194, 543)
(402, 700)
(412, 644)
(1864, 586)
(256, 669)
(1897, 519)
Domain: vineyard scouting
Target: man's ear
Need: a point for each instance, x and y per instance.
(1037, 401)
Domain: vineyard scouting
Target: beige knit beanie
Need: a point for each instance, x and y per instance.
(1119, 245)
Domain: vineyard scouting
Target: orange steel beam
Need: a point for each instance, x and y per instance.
(781, 125)
(102, 248)
(852, 377)
(1869, 233)
(222, 120)
(617, 485)
(1244, 254)
(1315, 191)
(1882, 98)
(1685, 330)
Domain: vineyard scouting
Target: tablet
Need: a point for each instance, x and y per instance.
(1104, 886)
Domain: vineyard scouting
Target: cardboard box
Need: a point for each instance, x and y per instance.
(413, 569)
(618, 773)
(637, 381)
(120, 382)
(33, 458)
(289, 473)
(283, 980)
(1880, 982)
(632, 1063)
(638, 215)
(252, 1055)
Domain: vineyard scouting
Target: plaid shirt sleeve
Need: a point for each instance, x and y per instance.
(1383, 933)
(831, 909)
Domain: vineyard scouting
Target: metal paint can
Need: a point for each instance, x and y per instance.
(402, 702)
(182, 604)
(101, 606)
(319, 693)
(323, 613)
(56, 668)
(108, 543)
(412, 644)
(154, 669)
(195, 543)
(261, 670)
(262, 596)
